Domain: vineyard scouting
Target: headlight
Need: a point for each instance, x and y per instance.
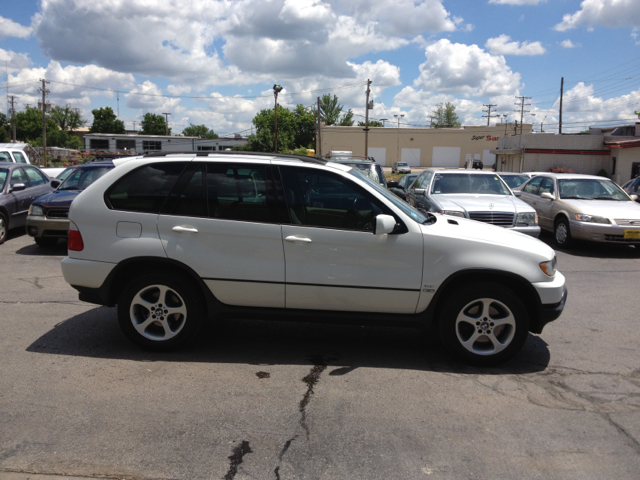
(36, 210)
(549, 268)
(583, 217)
(453, 213)
(529, 218)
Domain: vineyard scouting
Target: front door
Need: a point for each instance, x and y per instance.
(333, 260)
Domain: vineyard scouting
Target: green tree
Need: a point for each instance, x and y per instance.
(29, 124)
(445, 116)
(199, 131)
(5, 128)
(264, 138)
(346, 120)
(67, 118)
(372, 123)
(105, 121)
(153, 124)
(330, 109)
(305, 134)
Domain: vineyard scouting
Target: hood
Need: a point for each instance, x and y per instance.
(57, 199)
(485, 233)
(482, 203)
(606, 208)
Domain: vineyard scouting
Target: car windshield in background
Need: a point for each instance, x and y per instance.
(81, 178)
(590, 189)
(366, 170)
(403, 164)
(401, 204)
(3, 178)
(444, 183)
(514, 181)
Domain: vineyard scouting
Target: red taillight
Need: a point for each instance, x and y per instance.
(75, 242)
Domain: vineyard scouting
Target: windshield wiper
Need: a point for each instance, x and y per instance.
(576, 198)
(604, 198)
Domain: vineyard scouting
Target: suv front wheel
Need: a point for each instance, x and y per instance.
(484, 325)
(158, 311)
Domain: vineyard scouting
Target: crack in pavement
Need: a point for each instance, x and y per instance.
(236, 459)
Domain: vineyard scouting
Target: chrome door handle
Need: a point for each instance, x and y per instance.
(185, 229)
(293, 239)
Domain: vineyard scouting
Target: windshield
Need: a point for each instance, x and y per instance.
(402, 205)
(81, 178)
(514, 180)
(3, 179)
(403, 164)
(444, 183)
(590, 189)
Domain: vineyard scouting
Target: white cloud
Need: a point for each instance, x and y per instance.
(148, 98)
(517, 2)
(9, 28)
(13, 61)
(503, 46)
(607, 13)
(456, 68)
(178, 89)
(569, 44)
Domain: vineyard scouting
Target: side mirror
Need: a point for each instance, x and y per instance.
(384, 224)
(392, 184)
(547, 195)
(18, 187)
(55, 183)
(420, 191)
(517, 193)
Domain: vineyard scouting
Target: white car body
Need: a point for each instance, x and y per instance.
(284, 266)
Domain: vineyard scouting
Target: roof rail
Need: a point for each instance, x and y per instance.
(207, 153)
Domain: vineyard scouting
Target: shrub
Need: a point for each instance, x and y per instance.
(603, 173)
(560, 170)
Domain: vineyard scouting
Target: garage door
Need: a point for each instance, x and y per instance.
(380, 154)
(411, 156)
(446, 157)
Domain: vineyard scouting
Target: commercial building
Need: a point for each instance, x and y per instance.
(615, 150)
(419, 147)
(109, 142)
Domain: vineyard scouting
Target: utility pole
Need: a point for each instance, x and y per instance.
(504, 116)
(319, 150)
(45, 92)
(398, 147)
(12, 99)
(118, 102)
(522, 110)
(561, 93)
(166, 127)
(431, 117)
(366, 121)
(383, 120)
(488, 117)
(515, 128)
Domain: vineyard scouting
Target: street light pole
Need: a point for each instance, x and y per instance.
(276, 89)
(166, 127)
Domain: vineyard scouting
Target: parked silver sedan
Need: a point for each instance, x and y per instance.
(586, 207)
(475, 194)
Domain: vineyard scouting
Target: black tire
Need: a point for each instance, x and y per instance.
(46, 242)
(4, 228)
(158, 294)
(468, 324)
(562, 233)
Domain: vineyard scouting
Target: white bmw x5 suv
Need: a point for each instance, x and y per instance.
(176, 240)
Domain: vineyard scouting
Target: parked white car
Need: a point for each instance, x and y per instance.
(176, 240)
(13, 155)
(400, 167)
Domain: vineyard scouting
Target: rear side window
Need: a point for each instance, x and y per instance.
(145, 189)
(19, 157)
(36, 177)
(5, 157)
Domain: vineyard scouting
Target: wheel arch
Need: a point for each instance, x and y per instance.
(561, 215)
(520, 286)
(124, 271)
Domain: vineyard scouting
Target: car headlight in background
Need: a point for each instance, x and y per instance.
(36, 210)
(453, 213)
(583, 217)
(529, 218)
(549, 268)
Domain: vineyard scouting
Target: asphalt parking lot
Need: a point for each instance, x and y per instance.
(257, 400)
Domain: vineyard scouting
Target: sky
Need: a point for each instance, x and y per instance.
(214, 62)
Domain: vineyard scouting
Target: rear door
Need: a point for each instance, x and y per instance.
(22, 198)
(223, 223)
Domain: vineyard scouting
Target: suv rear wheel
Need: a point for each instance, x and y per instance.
(158, 311)
(484, 325)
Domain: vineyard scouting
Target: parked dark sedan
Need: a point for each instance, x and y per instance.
(20, 184)
(400, 187)
(48, 216)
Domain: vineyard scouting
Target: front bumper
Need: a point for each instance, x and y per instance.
(553, 297)
(41, 226)
(598, 232)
